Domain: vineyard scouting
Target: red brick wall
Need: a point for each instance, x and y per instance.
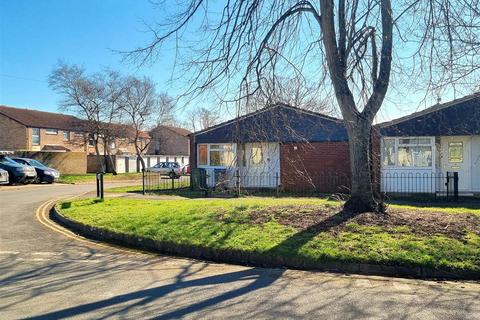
(376, 145)
(324, 167)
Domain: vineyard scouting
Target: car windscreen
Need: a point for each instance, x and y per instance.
(36, 163)
(7, 160)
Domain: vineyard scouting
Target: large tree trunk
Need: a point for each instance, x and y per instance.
(142, 161)
(100, 163)
(110, 166)
(362, 196)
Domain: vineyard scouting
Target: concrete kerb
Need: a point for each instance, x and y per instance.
(256, 259)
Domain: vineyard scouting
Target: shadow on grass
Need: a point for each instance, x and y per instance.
(293, 244)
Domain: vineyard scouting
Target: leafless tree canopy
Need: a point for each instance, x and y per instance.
(350, 48)
(114, 106)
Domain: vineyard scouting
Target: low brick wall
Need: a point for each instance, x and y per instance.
(65, 162)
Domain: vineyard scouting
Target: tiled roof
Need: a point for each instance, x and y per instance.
(42, 119)
(178, 130)
(279, 123)
(457, 117)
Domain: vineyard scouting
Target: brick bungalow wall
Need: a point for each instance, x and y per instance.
(13, 135)
(376, 164)
(323, 166)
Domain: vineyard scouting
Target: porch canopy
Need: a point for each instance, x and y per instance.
(455, 118)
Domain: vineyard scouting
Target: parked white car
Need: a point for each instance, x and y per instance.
(171, 169)
(3, 176)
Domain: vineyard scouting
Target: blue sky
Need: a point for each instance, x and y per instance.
(35, 34)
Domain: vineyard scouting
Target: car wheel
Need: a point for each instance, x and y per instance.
(172, 175)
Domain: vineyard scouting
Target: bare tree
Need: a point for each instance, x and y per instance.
(139, 104)
(203, 118)
(296, 92)
(165, 110)
(345, 46)
(93, 98)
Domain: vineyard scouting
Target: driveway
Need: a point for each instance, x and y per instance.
(50, 274)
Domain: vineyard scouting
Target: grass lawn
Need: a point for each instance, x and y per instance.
(306, 228)
(90, 177)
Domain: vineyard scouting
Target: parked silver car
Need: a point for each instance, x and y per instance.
(171, 169)
(3, 176)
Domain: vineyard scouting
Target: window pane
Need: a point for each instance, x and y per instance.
(257, 155)
(388, 152)
(455, 152)
(66, 135)
(415, 141)
(221, 158)
(424, 140)
(202, 154)
(35, 136)
(415, 156)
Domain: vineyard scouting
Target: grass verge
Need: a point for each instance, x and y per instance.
(90, 177)
(270, 226)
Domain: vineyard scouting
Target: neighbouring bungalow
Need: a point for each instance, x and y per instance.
(419, 151)
(279, 146)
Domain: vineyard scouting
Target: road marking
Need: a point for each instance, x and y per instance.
(43, 217)
(9, 252)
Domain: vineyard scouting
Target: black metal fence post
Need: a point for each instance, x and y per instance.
(101, 186)
(276, 183)
(143, 181)
(447, 184)
(237, 182)
(97, 177)
(455, 186)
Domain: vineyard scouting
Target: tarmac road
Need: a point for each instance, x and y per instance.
(47, 272)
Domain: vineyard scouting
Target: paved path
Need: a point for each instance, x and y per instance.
(46, 274)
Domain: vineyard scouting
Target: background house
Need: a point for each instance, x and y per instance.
(276, 146)
(418, 150)
(171, 143)
(33, 130)
(44, 135)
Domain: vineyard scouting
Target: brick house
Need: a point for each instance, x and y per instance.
(171, 142)
(279, 146)
(33, 130)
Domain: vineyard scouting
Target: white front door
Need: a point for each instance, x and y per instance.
(261, 165)
(456, 157)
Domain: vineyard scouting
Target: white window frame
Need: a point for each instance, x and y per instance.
(36, 135)
(66, 134)
(208, 154)
(395, 161)
(432, 144)
(51, 131)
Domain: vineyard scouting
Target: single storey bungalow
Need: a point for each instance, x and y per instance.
(278, 146)
(419, 151)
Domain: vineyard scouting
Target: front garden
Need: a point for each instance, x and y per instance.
(306, 230)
